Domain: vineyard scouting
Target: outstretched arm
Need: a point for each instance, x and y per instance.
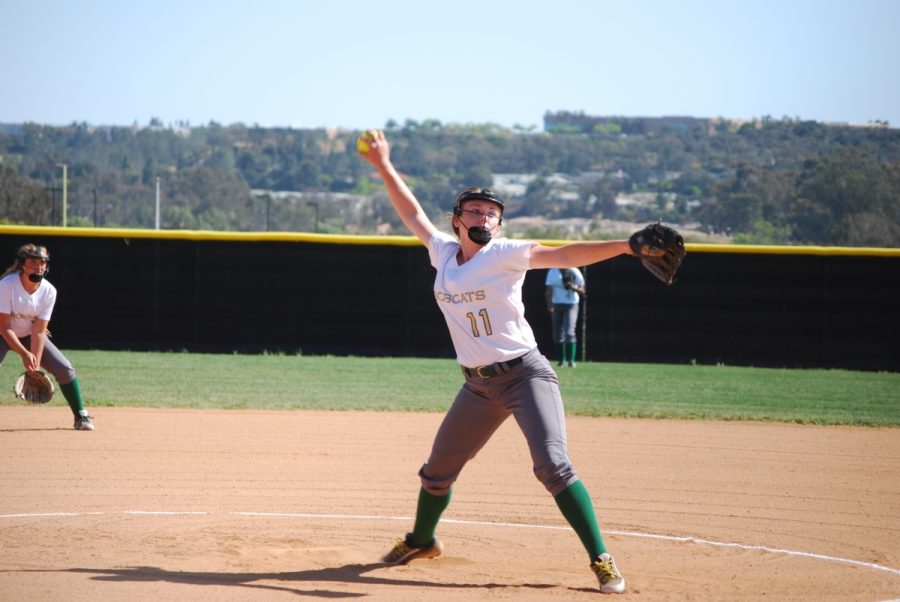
(375, 149)
(577, 253)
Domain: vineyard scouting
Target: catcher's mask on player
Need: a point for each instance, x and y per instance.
(477, 234)
(31, 251)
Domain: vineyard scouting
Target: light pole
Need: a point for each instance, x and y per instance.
(157, 202)
(315, 206)
(65, 187)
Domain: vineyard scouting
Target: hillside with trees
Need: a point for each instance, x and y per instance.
(763, 182)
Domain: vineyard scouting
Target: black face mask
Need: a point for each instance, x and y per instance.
(35, 277)
(479, 235)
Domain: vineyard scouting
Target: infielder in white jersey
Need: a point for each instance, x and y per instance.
(478, 288)
(27, 300)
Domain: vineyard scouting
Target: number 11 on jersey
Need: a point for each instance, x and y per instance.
(474, 322)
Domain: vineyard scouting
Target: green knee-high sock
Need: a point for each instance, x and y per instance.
(72, 393)
(575, 505)
(428, 513)
(573, 346)
(562, 354)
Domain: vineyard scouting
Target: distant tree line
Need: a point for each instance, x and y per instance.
(771, 181)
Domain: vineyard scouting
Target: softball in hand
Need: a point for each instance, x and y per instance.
(362, 143)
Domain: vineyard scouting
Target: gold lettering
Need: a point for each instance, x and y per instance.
(458, 298)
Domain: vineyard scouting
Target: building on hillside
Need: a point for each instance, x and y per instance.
(566, 121)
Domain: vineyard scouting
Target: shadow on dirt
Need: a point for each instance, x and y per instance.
(351, 574)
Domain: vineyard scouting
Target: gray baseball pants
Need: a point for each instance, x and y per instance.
(52, 360)
(530, 393)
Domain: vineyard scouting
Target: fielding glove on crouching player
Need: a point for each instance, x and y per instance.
(34, 386)
(660, 249)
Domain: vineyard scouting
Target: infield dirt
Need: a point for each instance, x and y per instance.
(286, 505)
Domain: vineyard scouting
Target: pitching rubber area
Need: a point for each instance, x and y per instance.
(268, 505)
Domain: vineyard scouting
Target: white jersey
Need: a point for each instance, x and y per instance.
(22, 307)
(482, 299)
(562, 295)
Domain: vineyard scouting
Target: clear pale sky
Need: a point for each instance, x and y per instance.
(357, 64)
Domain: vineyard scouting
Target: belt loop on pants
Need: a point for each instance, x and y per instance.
(492, 369)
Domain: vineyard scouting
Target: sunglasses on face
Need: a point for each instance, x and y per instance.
(477, 213)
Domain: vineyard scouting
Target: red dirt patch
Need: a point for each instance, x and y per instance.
(257, 505)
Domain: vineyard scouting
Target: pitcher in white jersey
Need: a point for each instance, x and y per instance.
(478, 288)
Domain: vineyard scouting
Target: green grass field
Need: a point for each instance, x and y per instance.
(288, 382)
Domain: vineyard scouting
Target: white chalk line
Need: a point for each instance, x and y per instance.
(635, 534)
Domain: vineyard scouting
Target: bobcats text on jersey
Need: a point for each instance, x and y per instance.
(467, 297)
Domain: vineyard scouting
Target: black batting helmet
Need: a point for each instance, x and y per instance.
(473, 193)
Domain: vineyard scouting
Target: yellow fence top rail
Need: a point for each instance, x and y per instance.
(132, 233)
(346, 239)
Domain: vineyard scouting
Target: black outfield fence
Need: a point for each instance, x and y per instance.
(220, 292)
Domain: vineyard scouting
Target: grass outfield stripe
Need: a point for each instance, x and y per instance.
(296, 382)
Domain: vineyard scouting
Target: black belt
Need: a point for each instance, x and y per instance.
(492, 369)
